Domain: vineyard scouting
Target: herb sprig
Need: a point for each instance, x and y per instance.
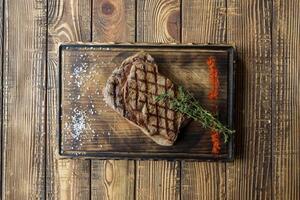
(188, 105)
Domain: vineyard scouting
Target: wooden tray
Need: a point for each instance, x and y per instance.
(88, 128)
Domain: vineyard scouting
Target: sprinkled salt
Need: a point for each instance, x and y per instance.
(78, 124)
(91, 111)
(77, 73)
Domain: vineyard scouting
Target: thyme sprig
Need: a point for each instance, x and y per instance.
(188, 105)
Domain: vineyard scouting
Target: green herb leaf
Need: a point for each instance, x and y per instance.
(188, 105)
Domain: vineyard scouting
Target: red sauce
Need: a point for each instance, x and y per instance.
(213, 96)
(213, 78)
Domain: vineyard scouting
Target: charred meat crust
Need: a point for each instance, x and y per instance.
(131, 91)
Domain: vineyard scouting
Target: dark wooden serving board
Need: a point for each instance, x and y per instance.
(88, 128)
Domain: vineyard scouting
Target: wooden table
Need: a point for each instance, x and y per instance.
(266, 34)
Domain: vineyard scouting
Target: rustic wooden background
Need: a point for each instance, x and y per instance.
(267, 36)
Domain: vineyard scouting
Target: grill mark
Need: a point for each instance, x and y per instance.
(175, 113)
(161, 127)
(115, 94)
(166, 111)
(142, 70)
(146, 96)
(156, 105)
(141, 80)
(124, 83)
(124, 97)
(144, 92)
(126, 88)
(136, 88)
(161, 117)
(153, 104)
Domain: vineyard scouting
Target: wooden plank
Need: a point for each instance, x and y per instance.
(107, 132)
(68, 21)
(1, 85)
(203, 22)
(158, 21)
(113, 21)
(286, 118)
(72, 180)
(158, 180)
(112, 179)
(24, 100)
(203, 180)
(249, 27)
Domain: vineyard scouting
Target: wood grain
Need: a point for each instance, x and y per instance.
(203, 22)
(286, 102)
(158, 21)
(68, 21)
(203, 181)
(1, 85)
(250, 175)
(72, 180)
(112, 179)
(24, 100)
(266, 34)
(152, 26)
(113, 21)
(158, 180)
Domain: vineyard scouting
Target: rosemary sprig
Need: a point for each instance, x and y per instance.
(188, 105)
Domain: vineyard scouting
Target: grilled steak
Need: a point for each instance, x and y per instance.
(131, 91)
